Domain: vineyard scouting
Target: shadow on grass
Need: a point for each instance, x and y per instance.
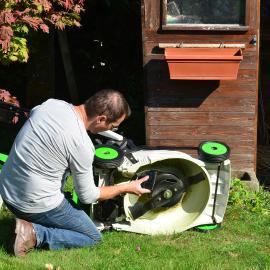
(7, 226)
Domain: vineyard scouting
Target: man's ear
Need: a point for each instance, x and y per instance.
(101, 118)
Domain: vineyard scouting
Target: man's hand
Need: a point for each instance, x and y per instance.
(109, 192)
(136, 188)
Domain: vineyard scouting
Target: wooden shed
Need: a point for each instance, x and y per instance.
(181, 113)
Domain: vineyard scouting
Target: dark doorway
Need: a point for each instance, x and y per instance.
(105, 52)
(263, 161)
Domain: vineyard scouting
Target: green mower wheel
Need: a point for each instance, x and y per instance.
(207, 227)
(213, 151)
(108, 156)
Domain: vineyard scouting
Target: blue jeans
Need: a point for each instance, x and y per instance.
(65, 226)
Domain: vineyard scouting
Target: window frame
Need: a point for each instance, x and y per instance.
(205, 27)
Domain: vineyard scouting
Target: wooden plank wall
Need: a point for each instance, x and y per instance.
(184, 113)
(265, 57)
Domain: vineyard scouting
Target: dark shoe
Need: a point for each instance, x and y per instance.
(25, 239)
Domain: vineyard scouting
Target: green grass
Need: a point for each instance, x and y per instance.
(242, 242)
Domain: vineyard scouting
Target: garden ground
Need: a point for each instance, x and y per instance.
(242, 242)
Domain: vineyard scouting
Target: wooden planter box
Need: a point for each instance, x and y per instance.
(203, 63)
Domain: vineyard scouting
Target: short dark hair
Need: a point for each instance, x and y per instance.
(107, 102)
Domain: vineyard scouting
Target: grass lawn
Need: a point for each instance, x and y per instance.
(242, 242)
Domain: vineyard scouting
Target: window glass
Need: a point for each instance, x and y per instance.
(205, 12)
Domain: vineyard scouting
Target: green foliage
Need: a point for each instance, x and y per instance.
(18, 51)
(17, 16)
(258, 202)
(69, 184)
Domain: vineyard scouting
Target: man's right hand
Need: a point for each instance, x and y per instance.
(109, 192)
(136, 188)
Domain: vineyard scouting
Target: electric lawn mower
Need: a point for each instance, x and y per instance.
(186, 192)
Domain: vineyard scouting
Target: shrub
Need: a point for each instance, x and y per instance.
(253, 201)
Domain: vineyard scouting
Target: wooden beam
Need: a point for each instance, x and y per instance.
(197, 45)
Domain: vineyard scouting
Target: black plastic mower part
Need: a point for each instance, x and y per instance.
(108, 156)
(131, 158)
(167, 191)
(109, 210)
(149, 184)
(213, 151)
(215, 195)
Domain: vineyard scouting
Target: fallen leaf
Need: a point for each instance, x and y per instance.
(48, 266)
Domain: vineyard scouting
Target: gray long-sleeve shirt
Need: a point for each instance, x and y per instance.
(52, 142)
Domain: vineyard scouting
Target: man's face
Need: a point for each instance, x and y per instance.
(101, 124)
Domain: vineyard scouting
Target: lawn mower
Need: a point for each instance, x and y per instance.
(186, 192)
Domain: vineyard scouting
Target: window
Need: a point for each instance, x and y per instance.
(205, 14)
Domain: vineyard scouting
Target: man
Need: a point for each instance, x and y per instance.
(52, 143)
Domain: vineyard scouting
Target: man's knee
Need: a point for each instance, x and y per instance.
(97, 237)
